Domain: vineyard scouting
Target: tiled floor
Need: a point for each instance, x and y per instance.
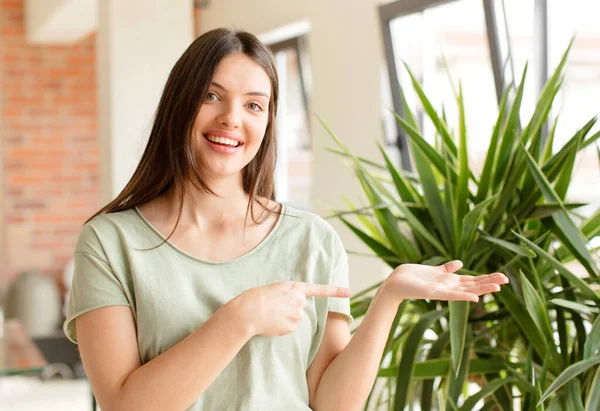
(31, 394)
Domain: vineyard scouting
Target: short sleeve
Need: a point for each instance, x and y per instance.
(339, 278)
(94, 283)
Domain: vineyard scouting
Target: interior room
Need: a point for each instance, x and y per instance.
(421, 131)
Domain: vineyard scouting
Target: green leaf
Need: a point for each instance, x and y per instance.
(409, 354)
(592, 342)
(457, 378)
(399, 313)
(527, 325)
(407, 113)
(490, 158)
(564, 176)
(429, 152)
(451, 212)
(416, 225)
(569, 373)
(591, 228)
(431, 113)
(557, 403)
(486, 391)
(515, 248)
(400, 244)
(543, 374)
(574, 396)
(509, 134)
(365, 221)
(378, 248)
(562, 270)
(590, 140)
(546, 210)
(451, 404)
(440, 367)
(593, 400)
(536, 308)
(550, 141)
(459, 318)
(574, 306)
(553, 166)
(572, 236)
(432, 196)
(361, 159)
(580, 331)
(387, 221)
(434, 352)
(462, 186)
(402, 186)
(561, 325)
(471, 221)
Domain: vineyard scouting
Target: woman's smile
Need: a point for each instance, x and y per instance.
(223, 145)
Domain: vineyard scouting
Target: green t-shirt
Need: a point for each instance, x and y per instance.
(171, 294)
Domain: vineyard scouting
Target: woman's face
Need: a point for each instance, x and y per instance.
(233, 118)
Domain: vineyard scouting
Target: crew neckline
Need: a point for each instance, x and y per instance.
(255, 250)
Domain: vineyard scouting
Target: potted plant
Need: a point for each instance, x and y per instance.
(534, 345)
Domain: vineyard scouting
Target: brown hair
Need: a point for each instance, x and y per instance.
(169, 161)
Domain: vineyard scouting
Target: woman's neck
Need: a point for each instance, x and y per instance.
(204, 209)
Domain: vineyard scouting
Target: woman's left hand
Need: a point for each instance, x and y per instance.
(416, 281)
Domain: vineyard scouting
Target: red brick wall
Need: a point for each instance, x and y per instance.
(50, 149)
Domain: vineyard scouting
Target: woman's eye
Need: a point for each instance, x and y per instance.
(254, 107)
(211, 96)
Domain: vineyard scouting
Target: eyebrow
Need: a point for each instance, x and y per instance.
(251, 93)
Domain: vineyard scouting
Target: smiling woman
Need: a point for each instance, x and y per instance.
(180, 302)
(232, 77)
(234, 116)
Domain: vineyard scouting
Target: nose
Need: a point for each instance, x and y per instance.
(231, 116)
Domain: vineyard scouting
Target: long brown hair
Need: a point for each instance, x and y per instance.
(169, 160)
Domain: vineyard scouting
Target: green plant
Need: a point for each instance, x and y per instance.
(534, 345)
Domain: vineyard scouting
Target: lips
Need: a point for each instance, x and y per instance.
(232, 137)
(222, 141)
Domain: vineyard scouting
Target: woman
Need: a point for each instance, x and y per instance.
(195, 290)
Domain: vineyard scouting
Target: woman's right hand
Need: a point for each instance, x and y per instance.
(277, 309)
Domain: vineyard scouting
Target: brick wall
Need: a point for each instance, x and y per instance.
(50, 151)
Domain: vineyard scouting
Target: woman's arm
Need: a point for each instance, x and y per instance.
(177, 377)
(173, 380)
(347, 381)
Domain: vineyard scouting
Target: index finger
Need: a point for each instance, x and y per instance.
(323, 290)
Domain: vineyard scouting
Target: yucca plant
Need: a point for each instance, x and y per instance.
(532, 346)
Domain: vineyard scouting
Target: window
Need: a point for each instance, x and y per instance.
(578, 100)
(452, 34)
(486, 45)
(294, 169)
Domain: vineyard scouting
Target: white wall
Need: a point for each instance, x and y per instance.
(136, 48)
(59, 21)
(346, 56)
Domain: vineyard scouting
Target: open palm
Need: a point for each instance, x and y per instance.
(417, 281)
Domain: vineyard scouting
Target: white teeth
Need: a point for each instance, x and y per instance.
(223, 140)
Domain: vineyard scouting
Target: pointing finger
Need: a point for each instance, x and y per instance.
(322, 290)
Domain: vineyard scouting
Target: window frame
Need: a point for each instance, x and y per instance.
(399, 8)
